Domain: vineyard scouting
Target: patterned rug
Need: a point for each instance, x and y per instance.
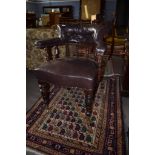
(62, 128)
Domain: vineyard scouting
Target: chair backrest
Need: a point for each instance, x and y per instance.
(85, 33)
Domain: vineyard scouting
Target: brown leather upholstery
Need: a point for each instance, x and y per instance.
(69, 72)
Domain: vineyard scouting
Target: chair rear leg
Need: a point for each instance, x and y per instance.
(89, 97)
(45, 90)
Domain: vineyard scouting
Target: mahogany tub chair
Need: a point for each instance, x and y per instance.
(82, 72)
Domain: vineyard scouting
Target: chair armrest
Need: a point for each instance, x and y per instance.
(49, 43)
(100, 50)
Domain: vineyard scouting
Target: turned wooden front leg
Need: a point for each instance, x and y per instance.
(45, 90)
(89, 97)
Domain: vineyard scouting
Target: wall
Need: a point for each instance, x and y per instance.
(109, 9)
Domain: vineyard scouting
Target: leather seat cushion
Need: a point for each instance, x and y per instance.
(70, 72)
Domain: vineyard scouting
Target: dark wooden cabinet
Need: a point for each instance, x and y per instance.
(54, 18)
(58, 14)
(30, 20)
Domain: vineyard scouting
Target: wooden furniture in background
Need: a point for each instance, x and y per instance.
(116, 44)
(58, 13)
(54, 18)
(30, 20)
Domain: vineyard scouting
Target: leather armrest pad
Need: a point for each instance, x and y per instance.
(49, 43)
